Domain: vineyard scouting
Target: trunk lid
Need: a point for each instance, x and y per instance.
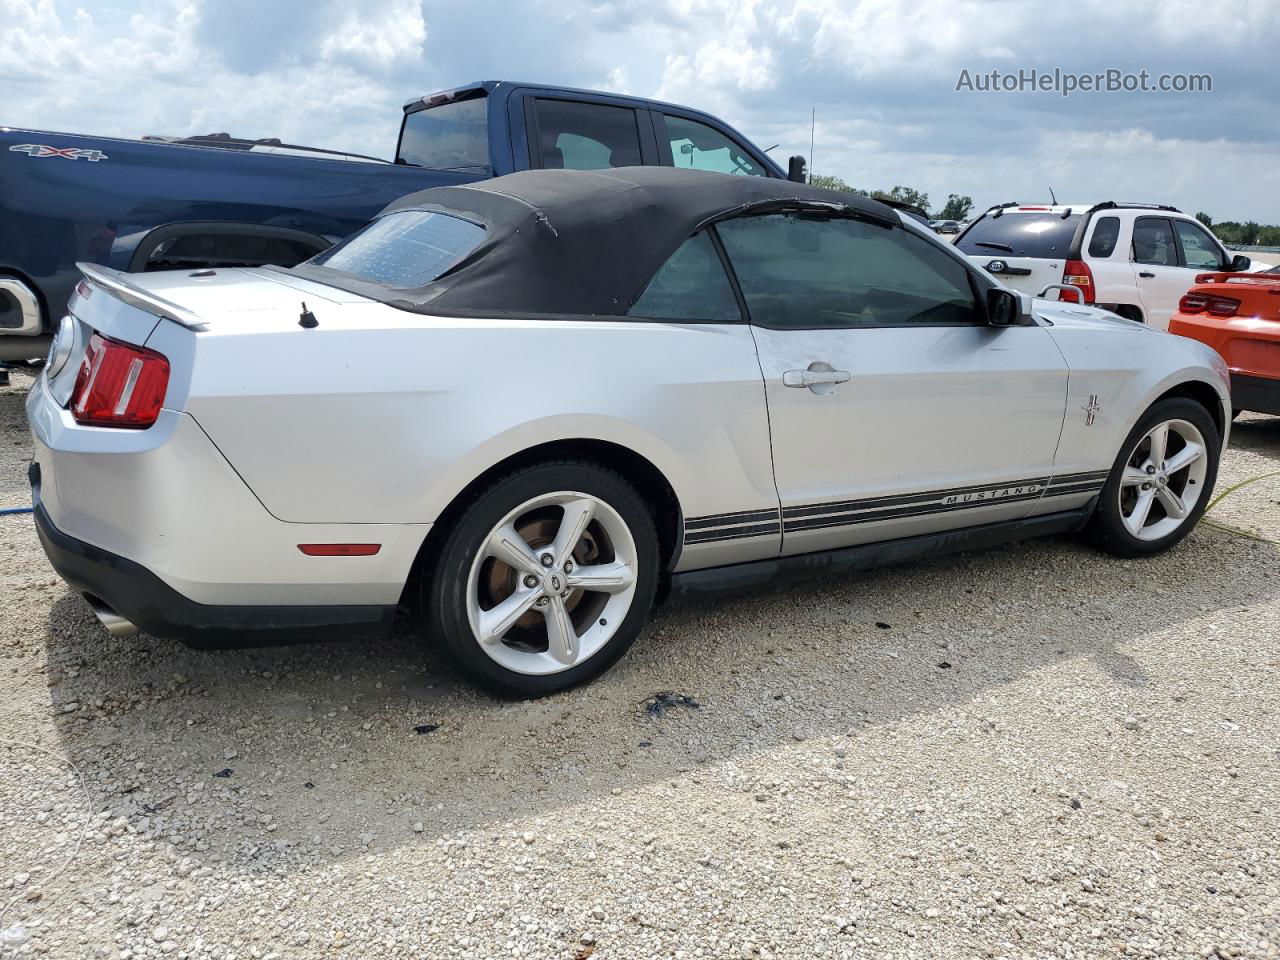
(130, 307)
(1025, 274)
(1026, 248)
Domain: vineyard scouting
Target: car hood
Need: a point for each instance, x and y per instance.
(1059, 313)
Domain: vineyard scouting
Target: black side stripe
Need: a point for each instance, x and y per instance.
(733, 533)
(818, 516)
(1066, 489)
(851, 519)
(926, 496)
(1099, 475)
(731, 519)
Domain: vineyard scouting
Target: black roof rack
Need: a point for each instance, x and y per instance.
(1105, 205)
(999, 208)
(1125, 205)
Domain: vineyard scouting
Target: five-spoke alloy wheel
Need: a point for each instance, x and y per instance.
(545, 579)
(1161, 481)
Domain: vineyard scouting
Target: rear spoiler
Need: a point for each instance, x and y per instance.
(1260, 279)
(118, 284)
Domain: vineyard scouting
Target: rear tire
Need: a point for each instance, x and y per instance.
(1129, 312)
(521, 610)
(1161, 481)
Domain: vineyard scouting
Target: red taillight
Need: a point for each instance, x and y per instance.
(1223, 306)
(1204, 303)
(1077, 274)
(119, 385)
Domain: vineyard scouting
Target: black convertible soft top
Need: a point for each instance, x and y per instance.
(576, 242)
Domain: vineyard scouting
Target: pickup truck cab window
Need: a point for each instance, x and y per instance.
(405, 249)
(701, 147)
(690, 286)
(451, 136)
(807, 272)
(585, 136)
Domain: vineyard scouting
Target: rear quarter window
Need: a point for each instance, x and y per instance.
(1041, 236)
(410, 248)
(1106, 232)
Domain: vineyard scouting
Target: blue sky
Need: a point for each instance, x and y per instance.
(880, 74)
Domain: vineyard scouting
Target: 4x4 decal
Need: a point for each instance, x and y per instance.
(67, 153)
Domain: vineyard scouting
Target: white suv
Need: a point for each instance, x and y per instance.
(1135, 259)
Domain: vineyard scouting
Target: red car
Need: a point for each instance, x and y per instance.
(1238, 314)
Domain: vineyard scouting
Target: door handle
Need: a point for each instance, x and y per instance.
(819, 377)
(1147, 274)
(807, 378)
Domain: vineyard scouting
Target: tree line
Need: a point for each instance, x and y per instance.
(957, 207)
(1249, 234)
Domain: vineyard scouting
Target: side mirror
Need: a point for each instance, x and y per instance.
(797, 170)
(1240, 263)
(1004, 307)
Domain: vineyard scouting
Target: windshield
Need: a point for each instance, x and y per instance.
(406, 249)
(1041, 235)
(452, 136)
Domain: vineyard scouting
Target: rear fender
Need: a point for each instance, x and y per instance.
(547, 431)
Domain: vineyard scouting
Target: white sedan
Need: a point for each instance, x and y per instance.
(530, 408)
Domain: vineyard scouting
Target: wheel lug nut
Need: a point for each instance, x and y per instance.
(547, 559)
(568, 567)
(531, 581)
(1151, 468)
(542, 602)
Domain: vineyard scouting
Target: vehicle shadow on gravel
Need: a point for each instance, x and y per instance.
(1258, 434)
(312, 753)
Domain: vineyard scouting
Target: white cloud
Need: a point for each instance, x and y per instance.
(881, 74)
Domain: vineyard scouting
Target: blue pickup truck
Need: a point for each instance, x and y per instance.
(159, 204)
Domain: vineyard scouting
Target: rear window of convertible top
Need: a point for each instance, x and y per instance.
(409, 248)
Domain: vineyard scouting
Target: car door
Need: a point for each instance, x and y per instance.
(1160, 277)
(894, 409)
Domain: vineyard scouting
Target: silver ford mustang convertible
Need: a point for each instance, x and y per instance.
(530, 408)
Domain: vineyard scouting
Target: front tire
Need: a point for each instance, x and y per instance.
(1161, 482)
(545, 578)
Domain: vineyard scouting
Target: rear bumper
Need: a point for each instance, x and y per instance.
(138, 595)
(1258, 394)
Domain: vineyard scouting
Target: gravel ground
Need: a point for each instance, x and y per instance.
(1032, 752)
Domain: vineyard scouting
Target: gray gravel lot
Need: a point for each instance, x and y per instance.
(1032, 752)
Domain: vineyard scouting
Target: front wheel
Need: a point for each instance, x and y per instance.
(545, 579)
(1161, 481)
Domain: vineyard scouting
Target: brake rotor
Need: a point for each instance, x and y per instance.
(500, 580)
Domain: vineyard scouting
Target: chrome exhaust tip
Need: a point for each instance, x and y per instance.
(116, 625)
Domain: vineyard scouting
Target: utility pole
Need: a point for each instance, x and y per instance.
(813, 119)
